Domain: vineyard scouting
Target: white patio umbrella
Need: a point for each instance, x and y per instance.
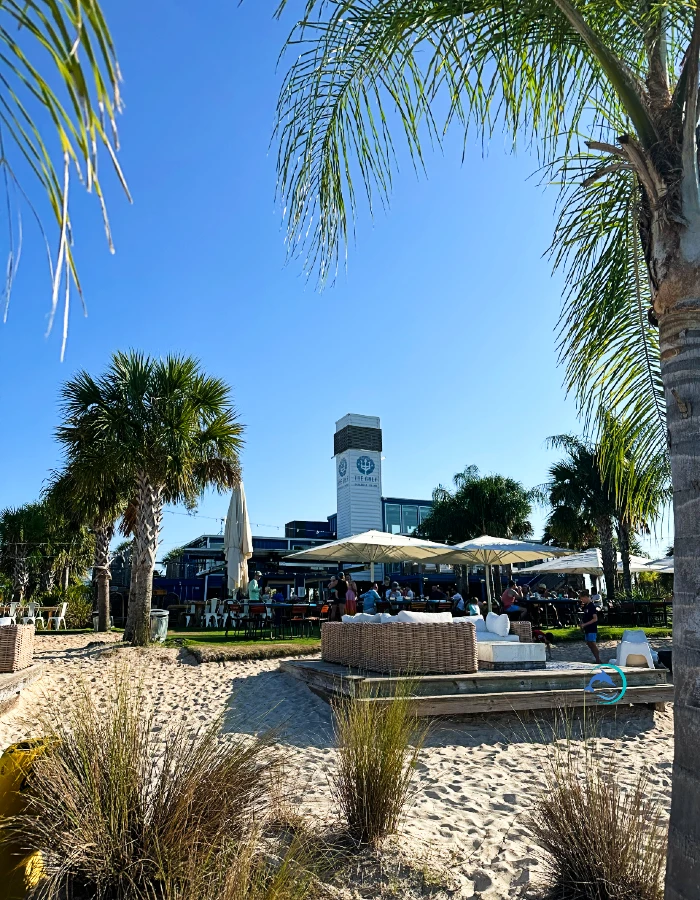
(638, 564)
(493, 551)
(376, 547)
(589, 562)
(238, 541)
(664, 565)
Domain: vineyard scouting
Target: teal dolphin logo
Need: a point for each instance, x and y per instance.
(601, 678)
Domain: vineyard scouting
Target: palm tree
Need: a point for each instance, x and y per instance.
(549, 71)
(21, 530)
(66, 50)
(96, 497)
(171, 428)
(582, 501)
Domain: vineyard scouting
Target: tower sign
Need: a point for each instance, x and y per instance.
(358, 469)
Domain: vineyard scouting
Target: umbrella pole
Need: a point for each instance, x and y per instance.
(371, 572)
(489, 600)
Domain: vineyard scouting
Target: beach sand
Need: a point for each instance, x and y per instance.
(476, 776)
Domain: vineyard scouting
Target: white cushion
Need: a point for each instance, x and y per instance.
(477, 621)
(502, 652)
(487, 636)
(426, 618)
(362, 617)
(5, 620)
(498, 624)
(387, 617)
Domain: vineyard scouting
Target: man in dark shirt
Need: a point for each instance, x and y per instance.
(589, 623)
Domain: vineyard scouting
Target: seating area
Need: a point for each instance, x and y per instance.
(252, 621)
(31, 613)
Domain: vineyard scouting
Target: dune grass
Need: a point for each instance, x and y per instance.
(379, 742)
(603, 838)
(121, 809)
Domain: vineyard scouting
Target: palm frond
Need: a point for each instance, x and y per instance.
(59, 84)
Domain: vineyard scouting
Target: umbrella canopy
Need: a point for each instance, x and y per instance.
(638, 564)
(663, 565)
(376, 547)
(493, 551)
(590, 562)
(238, 541)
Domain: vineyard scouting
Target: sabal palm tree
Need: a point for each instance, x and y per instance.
(60, 99)
(171, 428)
(580, 496)
(552, 73)
(93, 496)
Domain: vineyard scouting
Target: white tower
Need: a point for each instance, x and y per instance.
(358, 469)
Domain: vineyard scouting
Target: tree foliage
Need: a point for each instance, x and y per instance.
(488, 504)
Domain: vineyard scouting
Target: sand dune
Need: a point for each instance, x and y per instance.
(476, 777)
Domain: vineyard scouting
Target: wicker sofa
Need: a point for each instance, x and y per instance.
(401, 647)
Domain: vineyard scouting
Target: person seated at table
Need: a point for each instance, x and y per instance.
(509, 600)
(542, 596)
(386, 588)
(408, 593)
(473, 605)
(369, 600)
(394, 597)
(278, 597)
(436, 595)
(458, 604)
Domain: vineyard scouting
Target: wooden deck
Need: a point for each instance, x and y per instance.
(11, 683)
(482, 692)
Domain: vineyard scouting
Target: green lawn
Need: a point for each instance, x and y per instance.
(182, 637)
(212, 646)
(605, 633)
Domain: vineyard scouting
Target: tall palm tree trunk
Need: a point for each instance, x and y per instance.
(623, 538)
(680, 368)
(20, 574)
(48, 579)
(607, 551)
(147, 531)
(103, 538)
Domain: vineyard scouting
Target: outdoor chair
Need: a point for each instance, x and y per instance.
(254, 622)
(634, 650)
(61, 617)
(190, 614)
(419, 606)
(234, 617)
(210, 615)
(299, 620)
(33, 616)
(12, 614)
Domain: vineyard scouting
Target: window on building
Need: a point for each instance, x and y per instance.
(392, 518)
(410, 519)
(423, 512)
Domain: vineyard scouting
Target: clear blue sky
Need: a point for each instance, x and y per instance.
(443, 324)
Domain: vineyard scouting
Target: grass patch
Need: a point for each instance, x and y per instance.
(378, 746)
(121, 809)
(212, 651)
(605, 633)
(602, 841)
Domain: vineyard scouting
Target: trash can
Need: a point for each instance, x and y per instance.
(95, 621)
(159, 624)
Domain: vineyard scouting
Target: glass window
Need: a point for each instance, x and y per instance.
(392, 518)
(410, 519)
(423, 511)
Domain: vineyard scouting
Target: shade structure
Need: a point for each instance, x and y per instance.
(238, 540)
(637, 564)
(664, 565)
(589, 562)
(376, 547)
(494, 551)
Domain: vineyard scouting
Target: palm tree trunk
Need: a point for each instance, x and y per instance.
(148, 522)
(623, 538)
(607, 551)
(103, 538)
(48, 579)
(131, 613)
(680, 369)
(20, 574)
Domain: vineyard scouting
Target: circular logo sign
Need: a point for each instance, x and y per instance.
(365, 465)
(342, 467)
(611, 692)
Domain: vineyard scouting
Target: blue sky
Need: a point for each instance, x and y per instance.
(443, 324)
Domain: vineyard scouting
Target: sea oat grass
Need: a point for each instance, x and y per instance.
(379, 740)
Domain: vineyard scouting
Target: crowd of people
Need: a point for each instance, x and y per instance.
(343, 596)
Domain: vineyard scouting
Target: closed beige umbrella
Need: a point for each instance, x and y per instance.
(238, 540)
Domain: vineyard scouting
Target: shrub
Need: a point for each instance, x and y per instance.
(120, 810)
(602, 841)
(379, 740)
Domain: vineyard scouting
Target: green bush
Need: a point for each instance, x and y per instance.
(79, 600)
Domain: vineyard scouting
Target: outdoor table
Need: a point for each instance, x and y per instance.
(567, 605)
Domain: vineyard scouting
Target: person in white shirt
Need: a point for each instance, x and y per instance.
(409, 594)
(458, 604)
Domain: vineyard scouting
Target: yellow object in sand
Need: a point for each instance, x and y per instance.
(18, 871)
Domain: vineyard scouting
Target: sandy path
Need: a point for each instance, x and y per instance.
(476, 777)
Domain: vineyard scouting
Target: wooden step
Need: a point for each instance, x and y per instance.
(471, 704)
